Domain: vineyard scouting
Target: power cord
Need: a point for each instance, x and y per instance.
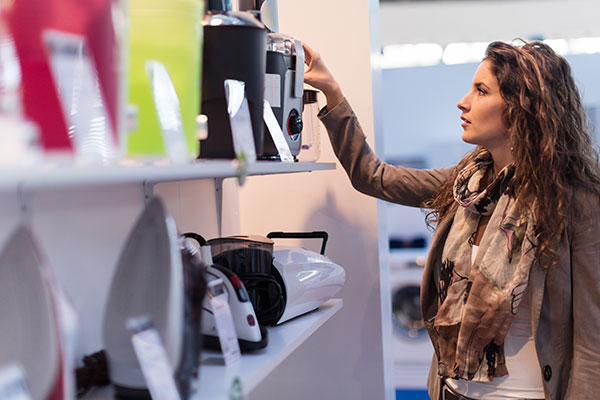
(267, 296)
(94, 372)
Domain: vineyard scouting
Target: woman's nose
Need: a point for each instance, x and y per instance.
(462, 104)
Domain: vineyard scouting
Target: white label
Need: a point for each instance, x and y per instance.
(168, 110)
(12, 383)
(78, 87)
(239, 118)
(223, 321)
(277, 134)
(152, 357)
(273, 89)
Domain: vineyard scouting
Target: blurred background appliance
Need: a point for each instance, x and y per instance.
(410, 342)
(150, 280)
(234, 48)
(266, 10)
(32, 325)
(93, 21)
(171, 33)
(19, 141)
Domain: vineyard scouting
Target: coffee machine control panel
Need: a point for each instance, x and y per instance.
(294, 124)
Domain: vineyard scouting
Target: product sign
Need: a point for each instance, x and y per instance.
(152, 357)
(219, 303)
(277, 134)
(12, 383)
(239, 118)
(168, 110)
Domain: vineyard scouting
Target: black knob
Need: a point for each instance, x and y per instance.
(294, 123)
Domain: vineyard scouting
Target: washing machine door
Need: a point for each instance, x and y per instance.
(406, 312)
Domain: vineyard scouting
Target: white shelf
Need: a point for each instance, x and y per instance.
(216, 379)
(65, 174)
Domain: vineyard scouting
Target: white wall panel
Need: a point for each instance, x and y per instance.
(344, 359)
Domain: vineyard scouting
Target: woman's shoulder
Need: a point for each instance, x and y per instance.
(584, 203)
(586, 196)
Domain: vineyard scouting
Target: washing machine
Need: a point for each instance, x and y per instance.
(410, 343)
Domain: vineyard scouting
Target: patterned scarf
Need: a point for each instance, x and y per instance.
(479, 299)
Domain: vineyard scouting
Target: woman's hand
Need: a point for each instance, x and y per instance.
(318, 76)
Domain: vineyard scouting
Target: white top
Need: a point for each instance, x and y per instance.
(524, 379)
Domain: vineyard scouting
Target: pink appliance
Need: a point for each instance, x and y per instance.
(92, 19)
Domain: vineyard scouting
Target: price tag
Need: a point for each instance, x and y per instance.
(152, 357)
(277, 134)
(12, 383)
(168, 110)
(239, 118)
(219, 304)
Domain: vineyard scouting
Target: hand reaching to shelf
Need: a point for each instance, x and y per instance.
(319, 76)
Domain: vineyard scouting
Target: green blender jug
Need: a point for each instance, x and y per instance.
(169, 32)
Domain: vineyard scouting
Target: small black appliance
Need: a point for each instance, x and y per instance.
(234, 49)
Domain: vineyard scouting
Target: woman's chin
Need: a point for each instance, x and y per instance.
(467, 139)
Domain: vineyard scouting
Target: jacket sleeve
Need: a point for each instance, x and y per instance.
(585, 269)
(368, 174)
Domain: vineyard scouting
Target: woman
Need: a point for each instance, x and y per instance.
(511, 289)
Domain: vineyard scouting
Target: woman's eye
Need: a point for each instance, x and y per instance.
(481, 91)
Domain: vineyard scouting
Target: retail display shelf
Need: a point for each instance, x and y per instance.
(216, 379)
(61, 174)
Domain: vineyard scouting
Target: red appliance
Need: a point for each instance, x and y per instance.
(92, 19)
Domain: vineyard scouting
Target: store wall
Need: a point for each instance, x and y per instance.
(458, 21)
(345, 358)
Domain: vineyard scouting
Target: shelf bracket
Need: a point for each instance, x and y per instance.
(219, 205)
(148, 188)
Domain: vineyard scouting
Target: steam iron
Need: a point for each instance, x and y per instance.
(34, 344)
(308, 279)
(251, 335)
(150, 279)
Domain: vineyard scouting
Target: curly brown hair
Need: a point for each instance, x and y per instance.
(549, 138)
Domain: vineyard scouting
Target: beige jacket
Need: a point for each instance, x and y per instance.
(564, 299)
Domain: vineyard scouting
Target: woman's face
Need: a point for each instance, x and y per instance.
(482, 109)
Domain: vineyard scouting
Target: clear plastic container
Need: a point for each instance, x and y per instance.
(311, 132)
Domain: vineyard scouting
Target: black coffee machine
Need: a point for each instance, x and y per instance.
(284, 87)
(234, 48)
(284, 79)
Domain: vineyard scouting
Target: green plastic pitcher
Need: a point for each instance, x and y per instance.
(170, 32)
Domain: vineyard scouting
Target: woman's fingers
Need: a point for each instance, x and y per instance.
(308, 54)
(317, 75)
